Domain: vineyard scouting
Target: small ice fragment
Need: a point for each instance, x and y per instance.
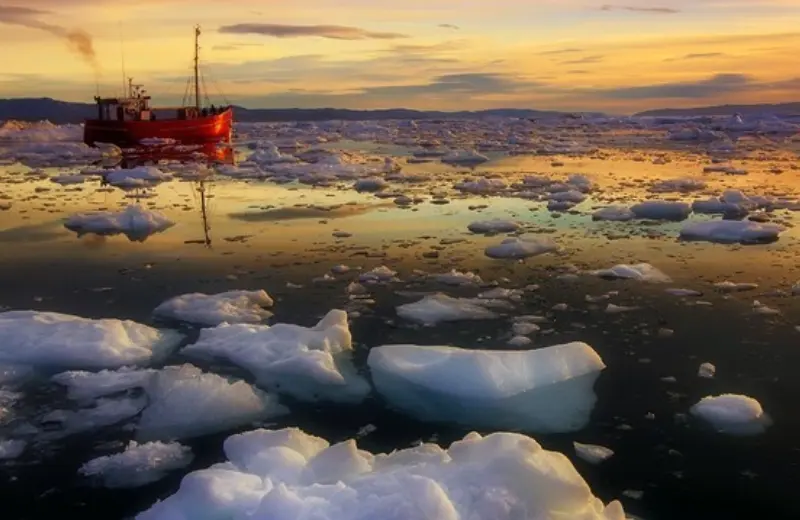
(728, 286)
(11, 448)
(520, 341)
(643, 272)
(138, 465)
(733, 414)
(617, 309)
(760, 308)
(494, 226)
(707, 370)
(592, 453)
(524, 328)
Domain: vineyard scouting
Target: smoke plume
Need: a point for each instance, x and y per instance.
(78, 41)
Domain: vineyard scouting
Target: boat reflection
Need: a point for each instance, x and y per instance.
(209, 154)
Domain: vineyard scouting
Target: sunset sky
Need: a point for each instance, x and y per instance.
(427, 54)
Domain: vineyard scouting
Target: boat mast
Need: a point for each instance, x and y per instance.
(197, 67)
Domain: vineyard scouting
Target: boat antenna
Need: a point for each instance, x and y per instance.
(122, 56)
(197, 67)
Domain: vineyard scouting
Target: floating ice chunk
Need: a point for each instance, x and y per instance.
(371, 184)
(308, 363)
(732, 231)
(517, 248)
(707, 370)
(715, 206)
(51, 339)
(760, 308)
(546, 390)
(683, 292)
(134, 222)
(728, 286)
(501, 293)
(520, 341)
(572, 196)
(138, 465)
(289, 474)
(678, 185)
(67, 178)
(82, 385)
(613, 213)
(436, 308)
(184, 402)
(213, 309)
(734, 414)
(524, 328)
(481, 186)
(592, 453)
(642, 272)
(464, 158)
(378, 274)
(105, 412)
(494, 226)
(11, 448)
(13, 373)
(661, 210)
(618, 309)
(455, 277)
(136, 177)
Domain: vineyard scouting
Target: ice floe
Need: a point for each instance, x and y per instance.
(545, 390)
(614, 213)
(437, 308)
(643, 272)
(87, 386)
(732, 231)
(135, 222)
(214, 309)
(662, 210)
(518, 248)
(185, 402)
(138, 465)
(306, 363)
(54, 340)
(733, 414)
(136, 177)
(11, 448)
(592, 453)
(494, 226)
(289, 474)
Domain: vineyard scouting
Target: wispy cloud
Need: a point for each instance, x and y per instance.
(637, 9)
(334, 32)
(698, 56)
(78, 41)
(586, 59)
(556, 52)
(699, 89)
(449, 26)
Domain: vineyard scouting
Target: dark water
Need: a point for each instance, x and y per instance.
(685, 470)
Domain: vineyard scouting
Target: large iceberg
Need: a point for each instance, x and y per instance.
(214, 309)
(289, 475)
(50, 339)
(134, 222)
(546, 390)
(307, 363)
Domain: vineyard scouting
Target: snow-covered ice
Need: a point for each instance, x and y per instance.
(87, 386)
(733, 414)
(307, 363)
(138, 465)
(288, 474)
(185, 402)
(54, 340)
(135, 222)
(11, 448)
(544, 390)
(214, 309)
(136, 177)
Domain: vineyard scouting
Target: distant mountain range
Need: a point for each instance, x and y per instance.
(61, 112)
(779, 109)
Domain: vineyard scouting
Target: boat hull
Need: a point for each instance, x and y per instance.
(208, 129)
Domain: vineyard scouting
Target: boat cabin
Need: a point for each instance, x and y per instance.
(136, 107)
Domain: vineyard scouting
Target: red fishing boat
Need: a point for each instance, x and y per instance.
(130, 120)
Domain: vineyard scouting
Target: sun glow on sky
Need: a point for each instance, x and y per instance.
(428, 54)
